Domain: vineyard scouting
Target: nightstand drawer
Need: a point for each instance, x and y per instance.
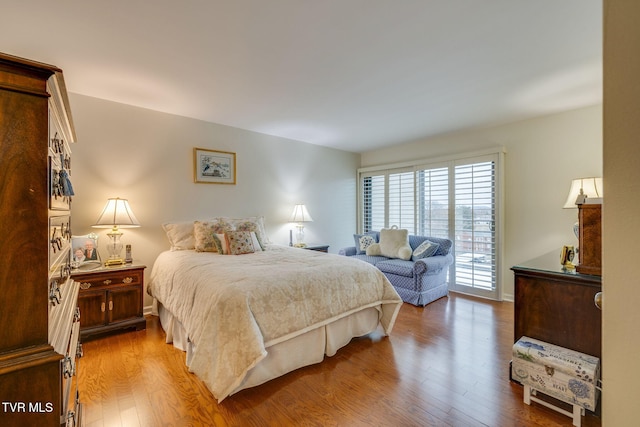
(106, 279)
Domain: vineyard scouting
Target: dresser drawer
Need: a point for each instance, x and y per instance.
(108, 279)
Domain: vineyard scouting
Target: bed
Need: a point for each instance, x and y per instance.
(246, 319)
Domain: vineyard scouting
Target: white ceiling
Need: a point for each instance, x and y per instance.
(350, 74)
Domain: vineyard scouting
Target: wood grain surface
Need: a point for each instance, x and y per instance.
(445, 365)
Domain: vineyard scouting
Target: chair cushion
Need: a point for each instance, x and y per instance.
(373, 260)
(396, 266)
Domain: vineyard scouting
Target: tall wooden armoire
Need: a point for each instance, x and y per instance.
(39, 319)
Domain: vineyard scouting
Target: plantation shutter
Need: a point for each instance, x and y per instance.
(433, 202)
(475, 226)
(374, 202)
(402, 201)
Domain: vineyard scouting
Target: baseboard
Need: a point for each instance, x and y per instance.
(147, 310)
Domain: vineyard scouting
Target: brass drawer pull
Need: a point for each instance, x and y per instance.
(102, 307)
(111, 305)
(85, 285)
(107, 282)
(127, 280)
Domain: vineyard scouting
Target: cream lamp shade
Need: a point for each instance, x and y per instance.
(116, 214)
(300, 215)
(583, 189)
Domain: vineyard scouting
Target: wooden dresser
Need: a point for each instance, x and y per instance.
(557, 306)
(39, 317)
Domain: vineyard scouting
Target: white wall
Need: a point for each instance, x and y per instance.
(543, 156)
(147, 157)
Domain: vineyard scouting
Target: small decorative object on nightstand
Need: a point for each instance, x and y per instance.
(566, 257)
(110, 299)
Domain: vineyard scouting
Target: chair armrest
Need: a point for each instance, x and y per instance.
(423, 265)
(348, 251)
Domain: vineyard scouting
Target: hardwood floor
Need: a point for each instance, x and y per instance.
(443, 365)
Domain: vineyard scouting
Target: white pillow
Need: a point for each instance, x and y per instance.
(256, 242)
(394, 243)
(180, 235)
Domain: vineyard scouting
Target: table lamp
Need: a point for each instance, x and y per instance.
(116, 214)
(300, 215)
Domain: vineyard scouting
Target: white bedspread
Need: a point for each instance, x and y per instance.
(234, 307)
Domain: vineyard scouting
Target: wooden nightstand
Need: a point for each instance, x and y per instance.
(110, 299)
(316, 247)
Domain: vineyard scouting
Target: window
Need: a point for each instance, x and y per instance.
(457, 199)
(474, 228)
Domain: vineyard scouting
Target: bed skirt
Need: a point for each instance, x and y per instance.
(302, 350)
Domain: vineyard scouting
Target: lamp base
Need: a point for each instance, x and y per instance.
(114, 248)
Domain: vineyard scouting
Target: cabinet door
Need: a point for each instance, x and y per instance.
(92, 308)
(125, 303)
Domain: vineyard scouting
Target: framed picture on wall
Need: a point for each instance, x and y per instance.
(214, 167)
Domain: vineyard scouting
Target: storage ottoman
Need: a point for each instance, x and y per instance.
(567, 375)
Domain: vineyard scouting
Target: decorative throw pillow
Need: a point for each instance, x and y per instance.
(240, 242)
(425, 250)
(204, 231)
(180, 235)
(394, 243)
(252, 223)
(363, 241)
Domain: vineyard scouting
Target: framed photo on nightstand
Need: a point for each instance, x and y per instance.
(84, 252)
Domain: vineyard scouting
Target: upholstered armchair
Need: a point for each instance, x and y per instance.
(419, 280)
